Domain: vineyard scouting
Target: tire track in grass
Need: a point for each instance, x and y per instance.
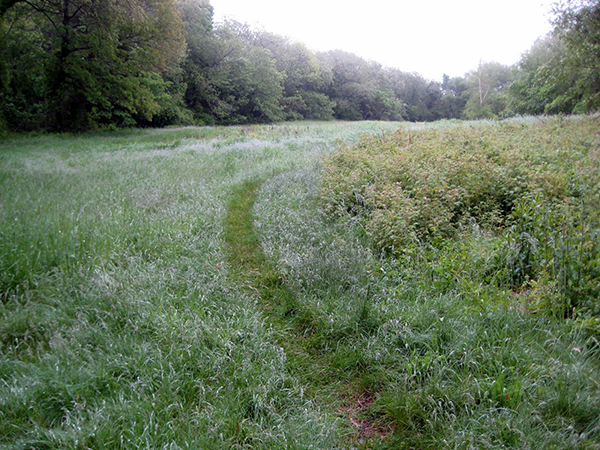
(251, 269)
(296, 328)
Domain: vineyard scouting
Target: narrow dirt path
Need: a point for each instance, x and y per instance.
(296, 328)
(250, 268)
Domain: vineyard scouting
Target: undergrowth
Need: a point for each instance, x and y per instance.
(448, 362)
(186, 288)
(529, 190)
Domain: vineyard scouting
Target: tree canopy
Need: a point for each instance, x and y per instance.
(84, 64)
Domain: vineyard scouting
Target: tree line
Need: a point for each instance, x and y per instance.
(70, 65)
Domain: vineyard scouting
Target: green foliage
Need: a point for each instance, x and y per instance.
(360, 89)
(487, 94)
(538, 89)
(559, 74)
(448, 358)
(423, 185)
(240, 81)
(155, 294)
(454, 97)
(531, 185)
(82, 64)
(100, 63)
(24, 60)
(578, 25)
(303, 80)
(121, 325)
(421, 98)
(555, 251)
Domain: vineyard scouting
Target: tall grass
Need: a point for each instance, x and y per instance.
(127, 322)
(531, 186)
(447, 368)
(454, 350)
(119, 324)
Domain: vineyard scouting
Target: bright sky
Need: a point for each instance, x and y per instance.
(431, 37)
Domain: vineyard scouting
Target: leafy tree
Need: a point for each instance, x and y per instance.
(384, 105)
(488, 86)
(577, 24)
(304, 82)
(255, 87)
(23, 62)
(351, 84)
(539, 87)
(360, 89)
(203, 52)
(561, 72)
(419, 96)
(229, 77)
(454, 97)
(244, 78)
(105, 59)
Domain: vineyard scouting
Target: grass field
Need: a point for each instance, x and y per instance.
(222, 288)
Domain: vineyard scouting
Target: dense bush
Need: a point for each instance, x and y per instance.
(530, 186)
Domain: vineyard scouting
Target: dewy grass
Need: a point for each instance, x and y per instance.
(119, 325)
(329, 373)
(252, 269)
(125, 321)
(443, 370)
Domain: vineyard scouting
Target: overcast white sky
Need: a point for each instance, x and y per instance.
(431, 37)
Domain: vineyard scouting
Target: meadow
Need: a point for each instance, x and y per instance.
(304, 285)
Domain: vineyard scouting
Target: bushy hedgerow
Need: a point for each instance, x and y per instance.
(532, 184)
(422, 185)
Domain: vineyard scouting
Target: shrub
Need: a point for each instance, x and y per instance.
(423, 186)
(531, 184)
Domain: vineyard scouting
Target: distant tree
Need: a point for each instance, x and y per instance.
(540, 85)
(454, 97)
(420, 97)
(304, 81)
(433, 101)
(577, 24)
(561, 72)
(203, 53)
(24, 61)
(242, 78)
(488, 85)
(351, 84)
(361, 89)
